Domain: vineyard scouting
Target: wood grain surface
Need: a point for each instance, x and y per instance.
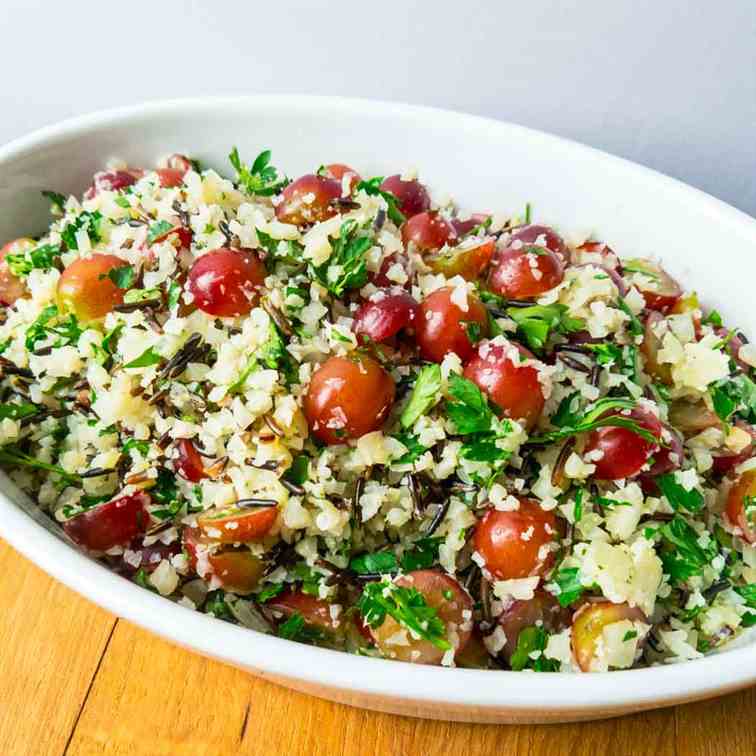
(75, 680)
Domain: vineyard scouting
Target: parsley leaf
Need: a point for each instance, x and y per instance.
(174, 292)
(748, 592)
(407, 606)
(268, 592)
(596, 417)
(414, 448)
(373, 188)
(712, 318)
(67, 330)
(17, 411)
(423, 555)
(570, 588)
(425, 393)
(532, 639)
(161, 228)
(379, 562)
(296, 628)
(299, 471)
(215, 604)
(91, 222)
(13, 457)
(272, 355)
(43, 258)
(260, 178)
(684, 557)
(537, 322)
(567, 413)
(735, 396)
(635, 326)
(147, 358)
(677, 496)
(57, 201)
(123, 276)
(346, 268)
(470, 412)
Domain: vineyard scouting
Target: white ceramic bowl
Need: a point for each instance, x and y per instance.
(488, 165)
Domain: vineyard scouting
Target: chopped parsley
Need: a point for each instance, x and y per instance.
(147, 358)
(425, 393)
(91, 222)
(635, 326)
(346, 268)
(123, 276)
(295, 628)
(158, 229)
(536, 323)
(49, 325)
(268, 592)
(734, 396)
(532, 640)
(407, 606)
(373, 188)
(677, 496)
(42, 258)
(682, 555)
(261, 178)
(570, 587)
(57, 201)
(596, 417)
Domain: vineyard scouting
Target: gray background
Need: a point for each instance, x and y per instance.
(668, 84)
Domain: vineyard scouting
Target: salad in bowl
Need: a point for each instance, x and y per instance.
(338, 410)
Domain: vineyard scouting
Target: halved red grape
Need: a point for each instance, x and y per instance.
(149, 556)
(524, 272)
(226, 282)
(467, 260)
(650, 348)
(236, 525)
(659, 289)
(442, 326)
(512, 542)
(112, 181)
(85, 289)
(384, 315)
(347, 398)
(623, 452)
(412, 197)
(114, 523)
(337, 171)
(542, 610)
(11, 286)
(428, 231)
(309, 199)
(498, 370)
(743, 491)
(541, 236)
(692, 418)
(466, 225)
(453, 606)
(380, 277)
(588, 626)
(189, 462)
(316, 612)
(723, 461)
(665, 460)
(239, 571)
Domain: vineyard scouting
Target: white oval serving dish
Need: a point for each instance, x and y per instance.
(489, 166)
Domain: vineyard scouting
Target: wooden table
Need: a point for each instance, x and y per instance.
(77, 680)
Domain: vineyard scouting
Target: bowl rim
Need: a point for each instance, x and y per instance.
(479, 689)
